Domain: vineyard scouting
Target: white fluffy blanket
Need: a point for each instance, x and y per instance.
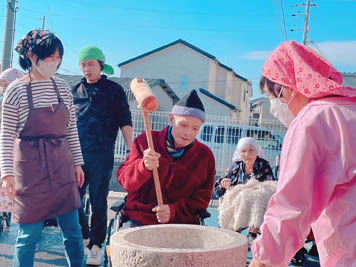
(245, 204)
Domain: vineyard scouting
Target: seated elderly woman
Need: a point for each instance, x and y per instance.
(247, 188)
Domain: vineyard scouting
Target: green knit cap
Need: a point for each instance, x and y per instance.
(92, 52)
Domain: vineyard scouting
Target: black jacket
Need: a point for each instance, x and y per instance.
(101, 109)
(261, 171)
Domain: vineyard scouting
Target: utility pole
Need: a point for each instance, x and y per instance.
(9, 35)
(43, 22)
(306, 18)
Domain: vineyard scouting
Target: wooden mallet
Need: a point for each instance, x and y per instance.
(148, 103)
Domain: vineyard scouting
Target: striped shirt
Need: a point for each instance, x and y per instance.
(15, 111)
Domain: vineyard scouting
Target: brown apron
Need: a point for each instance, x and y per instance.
(45, 184)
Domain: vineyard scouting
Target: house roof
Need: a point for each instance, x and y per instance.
(349, 74)
(218, 99)
(125, 83)
(181, 41)
(257, 100)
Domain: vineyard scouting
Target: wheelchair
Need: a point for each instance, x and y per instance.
(299, 258)
(116, 223)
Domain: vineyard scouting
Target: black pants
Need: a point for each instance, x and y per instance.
(97, 169)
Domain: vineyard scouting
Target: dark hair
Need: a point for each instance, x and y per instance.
(101, 64)
(43, 50)
(272, 87)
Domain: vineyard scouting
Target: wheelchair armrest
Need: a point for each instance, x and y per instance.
(118, 206)
(203, 214)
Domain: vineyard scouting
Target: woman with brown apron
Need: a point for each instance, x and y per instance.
(40, 158)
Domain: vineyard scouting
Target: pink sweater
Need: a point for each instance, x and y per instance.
(316, 187)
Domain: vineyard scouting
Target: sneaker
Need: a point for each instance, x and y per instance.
(85, 245)
(94, 256)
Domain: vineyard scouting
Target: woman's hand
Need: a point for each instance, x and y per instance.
(8, 185)
(151, 159)
(256, 263)
(79, 175)
(226, 183)
(3, 85)
(163, 213)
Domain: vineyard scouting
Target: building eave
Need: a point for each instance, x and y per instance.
(218, 99)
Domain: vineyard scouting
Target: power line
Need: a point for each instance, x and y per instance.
(317, 48)
(284, 21)
(49, 15)
(173, 11)
(105, 20)
(168, 12)
(142, 26)
(279, 21)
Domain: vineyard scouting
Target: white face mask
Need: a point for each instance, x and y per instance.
(281, 111)
(46, 69)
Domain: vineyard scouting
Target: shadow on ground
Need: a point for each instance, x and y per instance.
(50, 249)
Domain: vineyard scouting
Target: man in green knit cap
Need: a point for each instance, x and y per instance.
(102, 109)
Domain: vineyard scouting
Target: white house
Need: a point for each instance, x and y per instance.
(260, 114)
(185, 67)
(216, 106)
(166, 96)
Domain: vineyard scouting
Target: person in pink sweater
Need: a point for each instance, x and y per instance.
(317, 180)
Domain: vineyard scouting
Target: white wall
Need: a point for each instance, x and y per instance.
(214, 108)
(185, 69)
(173, 64)
(212, 77)
(164, 100)
(230, 88)
(220, 81)
(265, 115)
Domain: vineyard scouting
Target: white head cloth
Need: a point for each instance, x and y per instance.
(244, 142)
(11, 75)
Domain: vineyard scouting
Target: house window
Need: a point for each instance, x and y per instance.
(207, 133)
(233, 135)
(219, 135)
(183, 83)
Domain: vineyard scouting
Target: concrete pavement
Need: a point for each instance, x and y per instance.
(50, 249)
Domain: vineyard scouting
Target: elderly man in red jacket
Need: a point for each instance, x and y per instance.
(186, 170)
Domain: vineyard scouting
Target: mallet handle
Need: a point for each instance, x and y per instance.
(150, 145)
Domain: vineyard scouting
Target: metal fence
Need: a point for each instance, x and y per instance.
(158, 121)
(220, 134)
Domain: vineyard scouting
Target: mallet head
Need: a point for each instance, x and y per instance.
(144, 96)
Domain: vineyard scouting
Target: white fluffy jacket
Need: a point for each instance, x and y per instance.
(245, 204)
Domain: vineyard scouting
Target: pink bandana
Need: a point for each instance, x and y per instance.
(298, 67)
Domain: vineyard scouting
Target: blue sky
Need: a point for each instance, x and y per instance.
(240, 33)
